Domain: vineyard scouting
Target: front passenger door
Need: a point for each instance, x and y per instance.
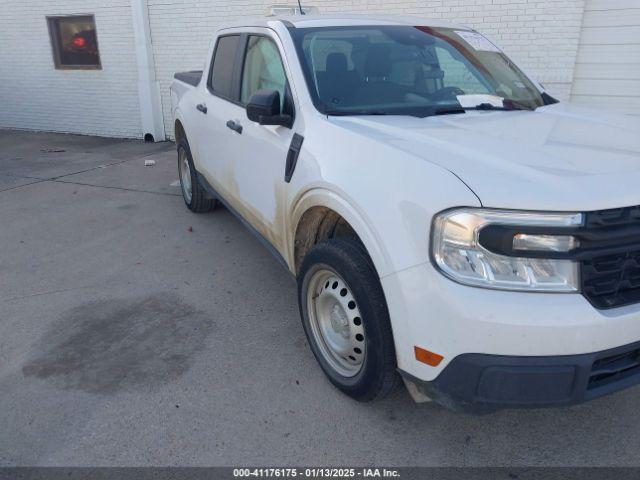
(259, 162)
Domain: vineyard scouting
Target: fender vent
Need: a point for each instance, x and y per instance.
(292, 156)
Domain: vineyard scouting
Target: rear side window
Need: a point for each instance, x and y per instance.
(221, 76)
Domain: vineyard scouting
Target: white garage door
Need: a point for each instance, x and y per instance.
(608, 65)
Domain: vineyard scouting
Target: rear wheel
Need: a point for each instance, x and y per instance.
(346, 320)
(195, 197)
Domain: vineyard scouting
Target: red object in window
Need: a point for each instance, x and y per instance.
(79, 42)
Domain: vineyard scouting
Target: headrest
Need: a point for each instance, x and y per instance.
(336, 62)
(378, 62)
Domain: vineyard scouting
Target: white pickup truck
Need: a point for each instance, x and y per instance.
(448, 221)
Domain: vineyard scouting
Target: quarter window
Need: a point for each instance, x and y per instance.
(221, 77)
(74, 42)
(262, 69)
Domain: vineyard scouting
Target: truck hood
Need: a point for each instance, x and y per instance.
(559, 157)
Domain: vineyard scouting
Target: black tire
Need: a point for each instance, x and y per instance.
(378, 375)
(201, 201)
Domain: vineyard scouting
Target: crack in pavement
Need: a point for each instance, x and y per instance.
(23, 185)
(94, 186)
(57, 179)
(97, 167)
(115, 188)
(48, 292)
(120, 162)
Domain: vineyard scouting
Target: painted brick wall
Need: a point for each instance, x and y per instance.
(34, 95)
(541, 36)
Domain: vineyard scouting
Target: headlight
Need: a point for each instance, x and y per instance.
(457, 250)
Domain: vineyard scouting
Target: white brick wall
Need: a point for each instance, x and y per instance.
(34, 95)
(607, 73)
(541, 36)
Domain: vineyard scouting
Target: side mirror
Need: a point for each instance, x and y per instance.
(264, 108)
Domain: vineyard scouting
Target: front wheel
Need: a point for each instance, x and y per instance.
(346, 320)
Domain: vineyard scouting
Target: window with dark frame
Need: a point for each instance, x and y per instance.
(74, 42)
(222, 70)
(262, 68)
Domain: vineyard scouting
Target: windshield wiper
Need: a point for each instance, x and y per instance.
(421, 112)
(506, 108)
(346, 113)
(449, 110)
(489, 106)
(453, 109)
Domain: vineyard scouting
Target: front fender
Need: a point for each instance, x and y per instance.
(389, 197)
(322, 196)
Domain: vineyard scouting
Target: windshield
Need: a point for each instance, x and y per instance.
(404, 70)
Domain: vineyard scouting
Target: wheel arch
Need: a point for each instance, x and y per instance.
(321, 214)
(178, 131)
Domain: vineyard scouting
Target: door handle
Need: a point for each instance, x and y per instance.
(202, 108)
(235, 126)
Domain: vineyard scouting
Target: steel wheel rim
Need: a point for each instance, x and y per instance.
(185, 175)
(336, 322)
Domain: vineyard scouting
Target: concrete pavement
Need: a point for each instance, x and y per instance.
(133, 332)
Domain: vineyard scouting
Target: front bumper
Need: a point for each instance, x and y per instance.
(484, 383)
(504, 348)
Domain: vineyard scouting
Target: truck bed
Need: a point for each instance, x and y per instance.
(192, 77)
(182, 83)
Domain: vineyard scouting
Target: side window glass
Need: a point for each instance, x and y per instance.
(221, 76)
(262, 69)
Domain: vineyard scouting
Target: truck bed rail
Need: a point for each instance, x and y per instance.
(192, 78)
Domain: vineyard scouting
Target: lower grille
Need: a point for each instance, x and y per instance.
(614, 368)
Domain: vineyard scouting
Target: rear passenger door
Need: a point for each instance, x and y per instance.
(217, 143)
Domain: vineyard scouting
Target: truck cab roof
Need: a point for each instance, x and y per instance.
(342, 20)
